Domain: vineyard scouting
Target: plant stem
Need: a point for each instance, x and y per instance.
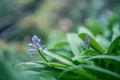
(43, 56)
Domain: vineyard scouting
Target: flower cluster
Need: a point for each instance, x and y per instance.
(35, 45)
(86, 41)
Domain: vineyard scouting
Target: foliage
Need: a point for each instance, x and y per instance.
(95, 57)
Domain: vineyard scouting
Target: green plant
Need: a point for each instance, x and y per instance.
(86, 55)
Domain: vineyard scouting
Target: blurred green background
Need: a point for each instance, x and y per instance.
(28, 17)
(48, 19)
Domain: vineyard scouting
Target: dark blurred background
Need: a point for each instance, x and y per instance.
(49, 20)
(21, 19)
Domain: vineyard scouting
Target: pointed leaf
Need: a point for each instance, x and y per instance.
(93, 43)
(74, 42)
(114, 45)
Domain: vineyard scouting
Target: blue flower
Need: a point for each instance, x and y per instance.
(43, 47)
(87, 41)
(35, 39)
(32, 51)
(35, 45)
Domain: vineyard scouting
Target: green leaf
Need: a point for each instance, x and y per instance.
(104, 57)
(81, 73)
(69, 76)
(60, 44)
(116, 31)
(83, 29)
(95, 27)
(28, 75)
(46, 75)
(111, 22)
(85, 54)
(27, 65)
(74, 42)
(58, 57)
(108, 72)
(114, 45)
(57, 65)
(103, 42)
(89, 52)
(93, 43)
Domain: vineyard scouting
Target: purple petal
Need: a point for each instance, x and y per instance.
(38, 45)
(32, 51)
(30, 44)
(87, 40)
(35, 39)
(39, 40)
(43, 47)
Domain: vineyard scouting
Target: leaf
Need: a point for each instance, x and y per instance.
(83, 29)
(57, 65)
(95, 68)
(104, 57)
(93, 43)
(58, 57)
(46, 75)
(69, 76)
(28, 65)
(77, 71)
(95, 27)
(28, 75)
(89, 52)
(104, 43)
(74, 42)
(60, 44)
(85, 54)
(116, 31)
(114, 45)
(111, 22)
